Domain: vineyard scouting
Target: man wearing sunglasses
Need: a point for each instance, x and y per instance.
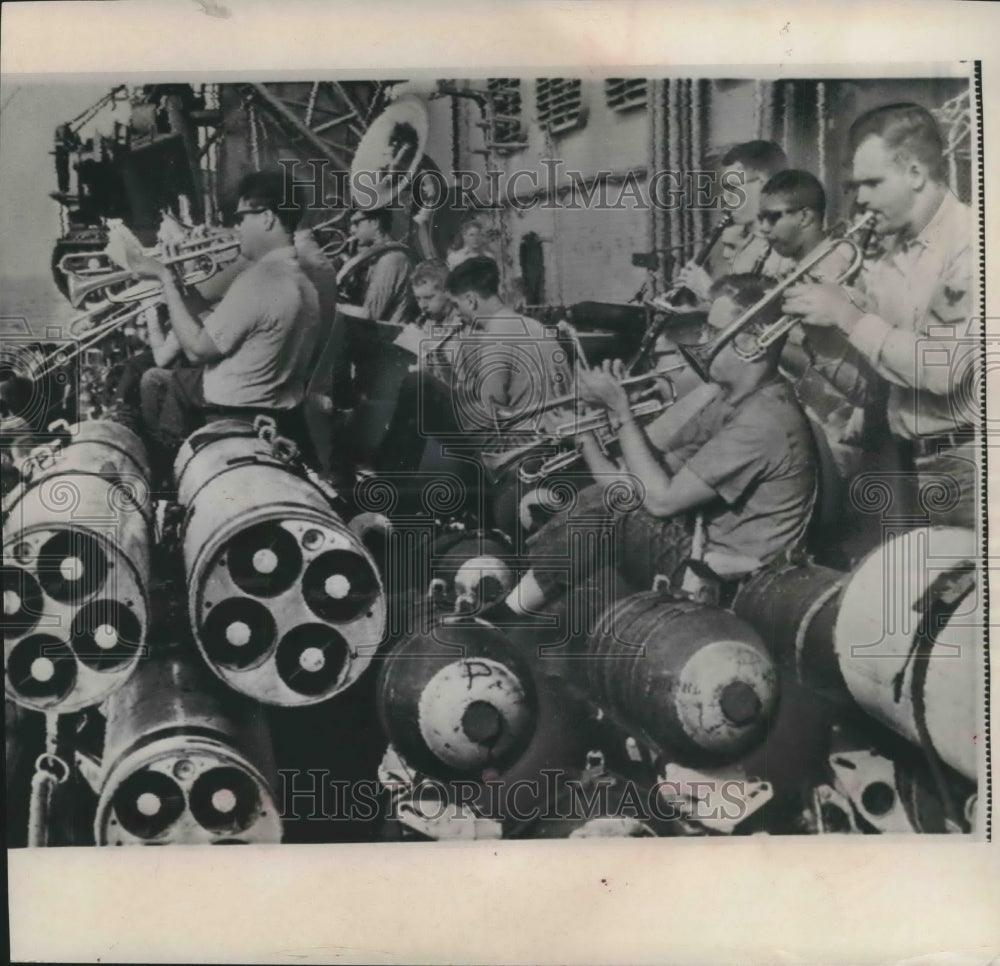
(912, 316)
(832, 379)
(376, 283)
(744, 169)
(254, 349)
(833, 382)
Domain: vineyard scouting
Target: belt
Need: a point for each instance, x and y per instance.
(929, 445)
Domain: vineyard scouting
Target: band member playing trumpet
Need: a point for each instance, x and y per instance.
(912, 314)
(255, 347)
(745, 461)
(831, 377)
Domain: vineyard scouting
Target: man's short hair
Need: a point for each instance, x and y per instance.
(480, 275)
(381, 215)
(746, 290)
(907, 129)
(266, 189)
(765, 157)
(799, 188)
(432, 271)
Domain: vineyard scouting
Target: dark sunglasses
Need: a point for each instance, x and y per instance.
(241, 213)
(772, 217)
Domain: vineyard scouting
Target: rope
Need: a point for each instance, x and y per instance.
(50, 771)
(786, 120)
(674, 148)
(697, 152)
(254, 145)
(556, 248)
(821, 129)
(656, 148)
(311, 106)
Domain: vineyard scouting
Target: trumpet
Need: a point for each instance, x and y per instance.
(597, 422)
(101, 263)
(700, 357)
(210, 259)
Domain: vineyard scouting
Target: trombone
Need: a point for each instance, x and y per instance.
(700, 357)
(59, 356)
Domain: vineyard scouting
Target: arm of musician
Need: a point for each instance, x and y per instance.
(599, 464)
(164, 345)
(664, 496)
(695, 278)
(900, 356)
(389, 276)
(197, 344)
(935, 356)
(663, 429)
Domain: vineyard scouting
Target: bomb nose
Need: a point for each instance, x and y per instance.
(739, 703)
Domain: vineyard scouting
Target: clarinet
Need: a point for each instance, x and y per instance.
(758, 266)
(679, 294)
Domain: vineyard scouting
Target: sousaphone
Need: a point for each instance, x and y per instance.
(390, 153)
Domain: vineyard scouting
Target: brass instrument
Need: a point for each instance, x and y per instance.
(676, 296)
(117, 320)
(390, 153)
(700, 357)
(597, 422)
(210, 259)
(331, 238)
(99, 263)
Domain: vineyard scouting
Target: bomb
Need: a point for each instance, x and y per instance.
(285, 602)
(185, 761)
(76, 572)
(898, 636)
(471, 570)
(794, 609)
(693, 681)
(908, 640)
(457, 700)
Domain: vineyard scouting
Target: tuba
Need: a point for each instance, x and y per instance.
(700, 357)
(390, 153)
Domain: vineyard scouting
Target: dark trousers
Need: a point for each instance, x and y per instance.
(423, 409)
(945, 483)
(178, 401)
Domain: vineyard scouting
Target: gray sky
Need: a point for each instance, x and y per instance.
(29, 219)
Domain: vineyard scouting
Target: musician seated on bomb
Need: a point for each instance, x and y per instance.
(251, 354)
(744, 461)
